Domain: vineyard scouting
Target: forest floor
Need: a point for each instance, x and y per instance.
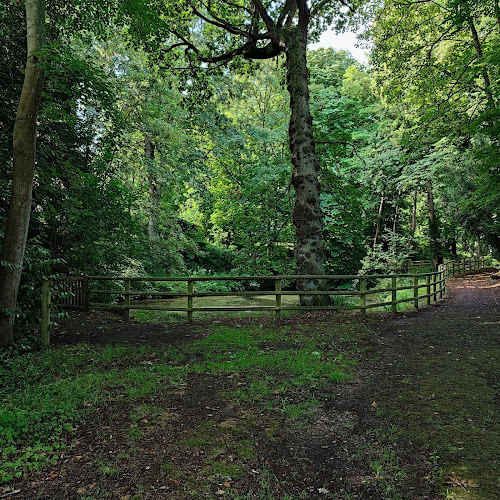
(323, 406)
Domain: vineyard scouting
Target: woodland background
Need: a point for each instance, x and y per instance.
(151, 163)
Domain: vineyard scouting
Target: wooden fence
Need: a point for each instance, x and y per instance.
(76, 291)
(418, 264)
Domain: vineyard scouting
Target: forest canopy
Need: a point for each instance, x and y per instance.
(205, 138)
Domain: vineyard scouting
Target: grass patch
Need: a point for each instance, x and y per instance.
(46, 394)
(281, 368)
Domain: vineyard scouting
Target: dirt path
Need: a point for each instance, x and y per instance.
(420, 421)
(438, 380)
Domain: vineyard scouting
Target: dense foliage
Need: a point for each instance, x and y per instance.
(150, 163)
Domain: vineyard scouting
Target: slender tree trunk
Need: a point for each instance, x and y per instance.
(480, 56)
(395, 219)
(307, 211)
(24, 150)
(477, 247)
(453, 246)
(379, 219)
(413, 225)
(497, 13)
(433, 228)
(154, 190)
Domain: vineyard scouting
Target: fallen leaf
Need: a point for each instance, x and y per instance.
(81, 491)
(457, 481)
(52, 475)
(374, 404)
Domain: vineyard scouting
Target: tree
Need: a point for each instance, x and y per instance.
(24, 152)
(438, 63)
(261, 31)
(343, 110)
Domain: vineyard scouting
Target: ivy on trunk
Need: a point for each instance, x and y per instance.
(257, 31)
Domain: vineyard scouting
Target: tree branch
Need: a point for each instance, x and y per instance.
(270, 50)
(220, 23)
(289, 7)
(317, 8)
(264, 15)
(228, 55)
(236, 6)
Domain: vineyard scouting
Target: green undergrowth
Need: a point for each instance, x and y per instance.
(46, 394)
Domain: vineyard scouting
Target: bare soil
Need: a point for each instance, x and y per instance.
(420, 417)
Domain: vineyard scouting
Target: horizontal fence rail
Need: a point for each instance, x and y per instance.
(360, 292)
(418, 264)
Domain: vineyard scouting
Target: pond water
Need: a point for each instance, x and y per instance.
(231, 301)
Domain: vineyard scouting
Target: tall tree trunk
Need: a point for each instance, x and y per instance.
(477, 246)
(433, 228)
(154, 189)
(395, 219)
(497, 13)
(379, 219)
(24, 150)
(307, 211)
(453, 246)
(480, 56)
(413, 225)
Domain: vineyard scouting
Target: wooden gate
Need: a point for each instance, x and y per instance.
(71, 292)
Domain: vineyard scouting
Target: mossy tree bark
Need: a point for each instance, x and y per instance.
(286, 33)
(24, 151)
(307, 217)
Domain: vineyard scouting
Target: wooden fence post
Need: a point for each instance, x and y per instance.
(362, 296)
(394, 294)
(190, 290)
(45, 319)
(277, 289)
(415, 292)
(428, 288)
(441, 282)
(126, 310)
